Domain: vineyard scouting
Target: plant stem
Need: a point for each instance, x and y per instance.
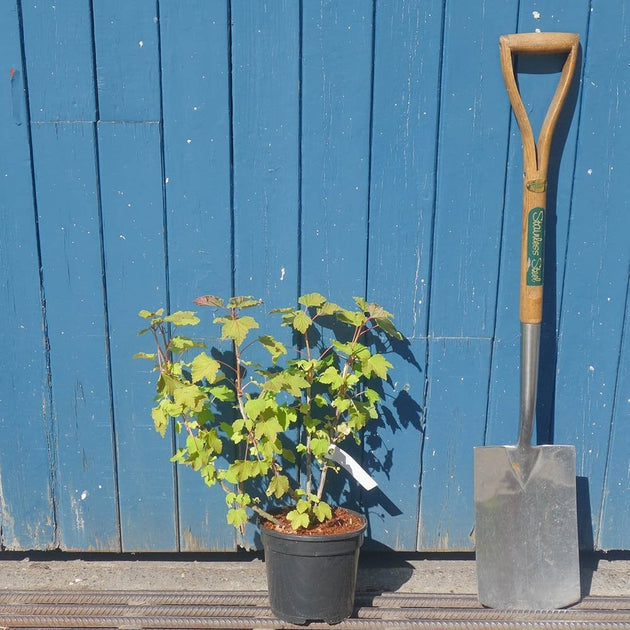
(322, 482)
(309, 463)
(266, 515)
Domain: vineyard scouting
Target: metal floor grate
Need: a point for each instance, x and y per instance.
(133, 610)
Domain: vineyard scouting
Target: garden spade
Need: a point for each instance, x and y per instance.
(525, 495)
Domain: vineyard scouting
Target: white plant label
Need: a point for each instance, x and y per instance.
(352, 466)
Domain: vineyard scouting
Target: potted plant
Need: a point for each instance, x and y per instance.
(268, 432)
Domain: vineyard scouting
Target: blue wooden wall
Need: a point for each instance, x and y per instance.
(155, 150)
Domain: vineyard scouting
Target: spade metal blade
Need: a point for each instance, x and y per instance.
(526, 527)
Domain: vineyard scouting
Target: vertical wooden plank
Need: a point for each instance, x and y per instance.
(127, 60)
(266, 126)
(464, 273)
(59, 59)
(454, 425)
(594, 300)
(405, 114)
(614, 526)
(71, 257)
(196, 100)
(197, 127)
(337, 67)
(133, 233)
(265, 65)
(27, 515)
(336, 94)
(470, 173)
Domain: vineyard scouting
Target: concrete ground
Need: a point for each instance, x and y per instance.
(602, 574)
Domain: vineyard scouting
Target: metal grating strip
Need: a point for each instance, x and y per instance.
(132, 610)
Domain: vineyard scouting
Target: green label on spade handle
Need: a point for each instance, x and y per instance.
(535, 246)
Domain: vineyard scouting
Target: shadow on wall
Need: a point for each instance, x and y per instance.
(398, 412)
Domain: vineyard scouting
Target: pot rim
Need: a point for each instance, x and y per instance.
(270, 531)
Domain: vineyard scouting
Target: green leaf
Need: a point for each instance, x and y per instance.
(171, 408)
(190, 397)
(320, 401)
(377, 364)
(208, 300)
(287, 381)
(341, 404)
(237, 517)
(328, 308)
(301, 322)
(360, 414)
(254, 407)
(286, 416)
(144, 355)
(244, 469)
(230, 475)
(312, 299)
(319, 447)
(362, 304)
(167, 384)
(148, 315)
(204, 366)
(331, 377)
(213, 441)
(179, 457)
(236, 329)
(278, 486)
(160, 419)
(209, 474)
(222, 393)
(388, 328)
(298, 519)
(351, 317)
(180, 344)
(322, 511)
(183, 318)
(268, 429)
(382, 317)
(243, 301)
(275, 348)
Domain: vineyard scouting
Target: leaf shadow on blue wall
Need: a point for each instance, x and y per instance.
(401, 412)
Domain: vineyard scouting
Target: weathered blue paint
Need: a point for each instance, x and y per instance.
(154, 151)
(266, 143)
(336, 89)
(402, 193)
(27, 516)
(458, 371)
(465, 260)
(594, 307)
(196, 100)
(59, 60)
(70, 240)
(127, 60)
(133, 236)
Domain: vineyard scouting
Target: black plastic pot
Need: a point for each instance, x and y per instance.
(312, 578)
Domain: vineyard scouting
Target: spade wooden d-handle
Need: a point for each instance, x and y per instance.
(535, 156)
